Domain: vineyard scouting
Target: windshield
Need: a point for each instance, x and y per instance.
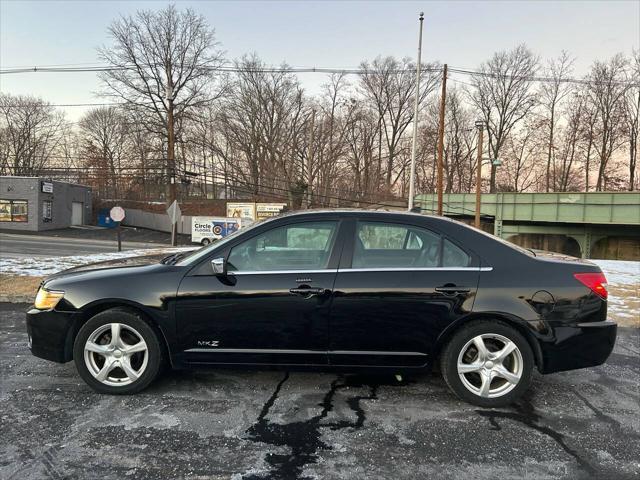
(190, 258)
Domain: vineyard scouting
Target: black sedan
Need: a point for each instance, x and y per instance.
(337, 290)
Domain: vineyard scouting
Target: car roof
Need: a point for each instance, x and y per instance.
(353, 211)
(367, 212)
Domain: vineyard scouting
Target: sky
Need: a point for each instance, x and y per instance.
(315, 33)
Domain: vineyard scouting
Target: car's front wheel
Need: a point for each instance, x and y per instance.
(117, 352)
(487, 363)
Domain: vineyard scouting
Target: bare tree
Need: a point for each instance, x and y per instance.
(330, 139)
(607, 89)
(632, 117)
(389, 84)
(460, 143)
(31, 132)
(264, 123)
(552, 93)
(104, 142)
(162, 63)
(521, 169)
(502, 93)
(564, 162)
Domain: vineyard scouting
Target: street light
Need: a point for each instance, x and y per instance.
(412, 174)
(480, 126)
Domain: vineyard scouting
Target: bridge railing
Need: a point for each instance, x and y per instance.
(608, 208)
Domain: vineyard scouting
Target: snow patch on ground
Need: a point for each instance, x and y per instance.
(42, 267)
(623, 279)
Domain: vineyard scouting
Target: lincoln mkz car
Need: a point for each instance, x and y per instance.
(344, 290)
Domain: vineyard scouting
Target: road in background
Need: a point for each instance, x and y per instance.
(278, 425)
(14, 245)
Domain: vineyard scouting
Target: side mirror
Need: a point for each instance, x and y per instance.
(219, 266)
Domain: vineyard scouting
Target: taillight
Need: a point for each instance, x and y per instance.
(597, 282)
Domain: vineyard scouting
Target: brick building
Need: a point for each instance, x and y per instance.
(32, 203)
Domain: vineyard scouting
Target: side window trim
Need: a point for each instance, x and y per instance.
(280, 272)
(412, 269)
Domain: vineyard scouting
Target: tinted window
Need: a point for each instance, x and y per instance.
(302, 246)
(381, 245)
(454, 256)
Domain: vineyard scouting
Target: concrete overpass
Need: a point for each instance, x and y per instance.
(605, 223)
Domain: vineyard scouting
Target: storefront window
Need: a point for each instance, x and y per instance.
(5, 211)
(13, 211)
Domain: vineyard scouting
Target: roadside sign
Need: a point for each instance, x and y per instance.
(266, 210)
(174, 212)
(117, 214)
(47, 187)
(241, 210)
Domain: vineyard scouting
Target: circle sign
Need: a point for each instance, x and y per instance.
(217, 230)
(117, 214)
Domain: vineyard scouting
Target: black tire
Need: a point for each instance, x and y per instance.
(205, 241)
(131, 324)
(522, 362)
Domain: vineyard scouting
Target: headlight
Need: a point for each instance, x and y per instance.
(47, 299)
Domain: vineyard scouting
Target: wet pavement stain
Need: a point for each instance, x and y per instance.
(303, 437)
(604, 418)
(525, 413)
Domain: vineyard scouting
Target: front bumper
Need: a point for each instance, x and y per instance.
(51, 334)
(578, 346)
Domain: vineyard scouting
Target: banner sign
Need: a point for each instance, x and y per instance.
(241, 210)
(266, 210)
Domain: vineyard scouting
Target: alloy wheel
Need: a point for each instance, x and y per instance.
(116, 354)
(490, 365)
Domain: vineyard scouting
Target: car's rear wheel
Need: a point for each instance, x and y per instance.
(117, 352)
(487, 363)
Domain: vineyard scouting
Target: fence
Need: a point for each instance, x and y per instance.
(155, 221)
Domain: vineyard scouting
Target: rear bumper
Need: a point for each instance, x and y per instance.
(50, 334)
(578, 346)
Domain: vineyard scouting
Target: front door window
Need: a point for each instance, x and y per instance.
(301, 246)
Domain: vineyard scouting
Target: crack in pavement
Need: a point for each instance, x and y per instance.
(527, 415)
(605, 418)
(303, 437)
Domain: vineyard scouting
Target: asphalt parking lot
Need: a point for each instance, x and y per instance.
(281, 425)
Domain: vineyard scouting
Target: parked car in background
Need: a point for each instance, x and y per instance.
(354, 290)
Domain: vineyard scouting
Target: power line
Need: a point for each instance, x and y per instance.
(222, 69)
(345, 71)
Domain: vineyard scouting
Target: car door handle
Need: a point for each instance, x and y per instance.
(308, 291)
(452, 290)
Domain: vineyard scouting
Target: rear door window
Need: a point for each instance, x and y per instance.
(388, 245)
(454, 256)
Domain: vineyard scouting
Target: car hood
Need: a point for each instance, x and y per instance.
(119, 263)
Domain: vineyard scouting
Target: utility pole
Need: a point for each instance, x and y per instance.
(443, 102)
(412, 174)
(480, 126)
(171, 158)
(310, 156)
